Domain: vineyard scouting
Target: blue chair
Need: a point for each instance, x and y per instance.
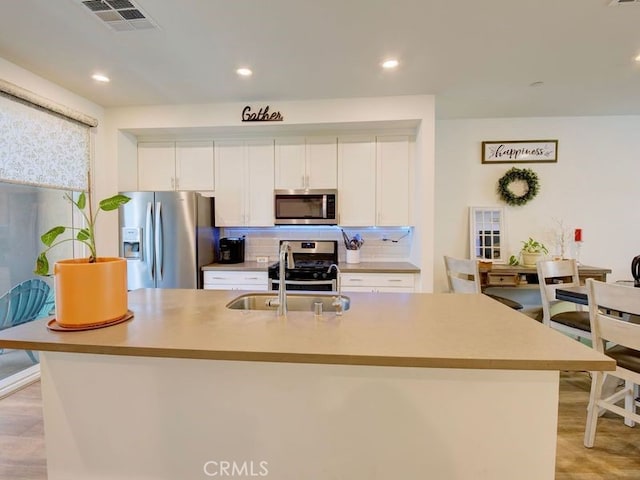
(23, 303)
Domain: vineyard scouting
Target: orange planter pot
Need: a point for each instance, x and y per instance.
(89, 294)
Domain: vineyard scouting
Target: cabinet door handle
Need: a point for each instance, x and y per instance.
(251, 278)
(394, 280)
(355, 279)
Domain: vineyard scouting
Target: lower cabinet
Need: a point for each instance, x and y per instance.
(378, 282)
(235, 280)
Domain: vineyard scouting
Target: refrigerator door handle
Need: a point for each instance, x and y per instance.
(159, 242)
(148, 239)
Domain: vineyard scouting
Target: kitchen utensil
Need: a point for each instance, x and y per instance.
(346, 240)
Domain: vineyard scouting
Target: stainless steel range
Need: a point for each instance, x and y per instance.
(312, 260)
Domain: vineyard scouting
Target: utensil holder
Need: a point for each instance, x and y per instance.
(353, 256)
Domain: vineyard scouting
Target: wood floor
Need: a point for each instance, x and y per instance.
(615, 456)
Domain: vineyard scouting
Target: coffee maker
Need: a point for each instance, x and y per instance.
(231, 250)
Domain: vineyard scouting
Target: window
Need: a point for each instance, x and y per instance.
(26, 212)
(487, 234)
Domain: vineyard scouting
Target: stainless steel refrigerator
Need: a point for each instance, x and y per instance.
(166, 238)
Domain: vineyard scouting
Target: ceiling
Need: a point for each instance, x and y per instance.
(480, 58)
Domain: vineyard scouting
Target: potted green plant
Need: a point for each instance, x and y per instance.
(88, 291)
(532, 251)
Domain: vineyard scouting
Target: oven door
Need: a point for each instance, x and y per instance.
(305, 285)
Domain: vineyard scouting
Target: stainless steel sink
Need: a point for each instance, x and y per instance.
(296, 302)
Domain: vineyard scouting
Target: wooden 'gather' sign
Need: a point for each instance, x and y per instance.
(262, 115)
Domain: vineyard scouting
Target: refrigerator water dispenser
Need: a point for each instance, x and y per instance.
(132, 243)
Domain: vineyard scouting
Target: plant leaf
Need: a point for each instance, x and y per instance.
(49, 237)
(114, 202)
(83, 234)
(42, 265)
(82, 201)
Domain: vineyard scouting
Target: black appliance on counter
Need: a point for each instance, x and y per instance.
(231, 250)
(312, 260)
(635, 271)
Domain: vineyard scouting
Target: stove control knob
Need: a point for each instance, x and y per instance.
(324, 275)
(315, 274)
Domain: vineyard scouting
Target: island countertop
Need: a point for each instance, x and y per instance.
(399, 330)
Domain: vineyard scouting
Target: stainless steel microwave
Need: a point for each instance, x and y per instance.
(306, 207)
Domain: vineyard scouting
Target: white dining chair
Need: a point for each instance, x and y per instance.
(463, 276)
(619, 339)
(554, 274)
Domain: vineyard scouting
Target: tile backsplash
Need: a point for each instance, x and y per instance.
(391, 244)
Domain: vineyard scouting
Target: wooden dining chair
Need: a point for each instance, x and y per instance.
(607, 303)
(463, 276)
(553, 274)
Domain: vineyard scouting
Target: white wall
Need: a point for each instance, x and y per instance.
(594, 186)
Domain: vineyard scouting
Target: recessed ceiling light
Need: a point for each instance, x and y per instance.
(244, 72)
(638, 58)
(389, 64)
(98, 77)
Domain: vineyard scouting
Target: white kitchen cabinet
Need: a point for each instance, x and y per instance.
(244, 183)
(168, 166)
(378, 282)
(374, 181)
(357, 181)
(194, 166)
(156, 166)
(393, 187)
(235, 280)
(310, 162)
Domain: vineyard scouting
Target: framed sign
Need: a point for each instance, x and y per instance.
(520, 151)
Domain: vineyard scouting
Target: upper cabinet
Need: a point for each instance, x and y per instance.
(156, 166)
(392, 184)
(374, 181)
(302, 163)
(357, 181)
(166, 166)
(244, 183)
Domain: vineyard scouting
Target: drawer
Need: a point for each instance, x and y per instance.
(405, 280)
(234, 278)
(233, 286)
(508, 279)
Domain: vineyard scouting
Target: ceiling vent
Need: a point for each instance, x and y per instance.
(614, 3)
(120, 15)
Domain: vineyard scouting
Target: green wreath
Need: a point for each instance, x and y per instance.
(518, 174)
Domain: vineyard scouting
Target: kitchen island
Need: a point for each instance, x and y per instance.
(401, 386)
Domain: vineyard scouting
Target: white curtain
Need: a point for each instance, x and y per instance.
(42, 143)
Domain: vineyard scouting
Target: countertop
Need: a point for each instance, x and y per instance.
(362, 267)
(392, 329)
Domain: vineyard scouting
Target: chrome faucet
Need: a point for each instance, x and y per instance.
(286, 261)
(337, 301)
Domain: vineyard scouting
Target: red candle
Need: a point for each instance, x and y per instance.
(577, 235)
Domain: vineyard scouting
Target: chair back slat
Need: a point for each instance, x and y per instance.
(554, 274)
(463, 275)
(606, 302)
